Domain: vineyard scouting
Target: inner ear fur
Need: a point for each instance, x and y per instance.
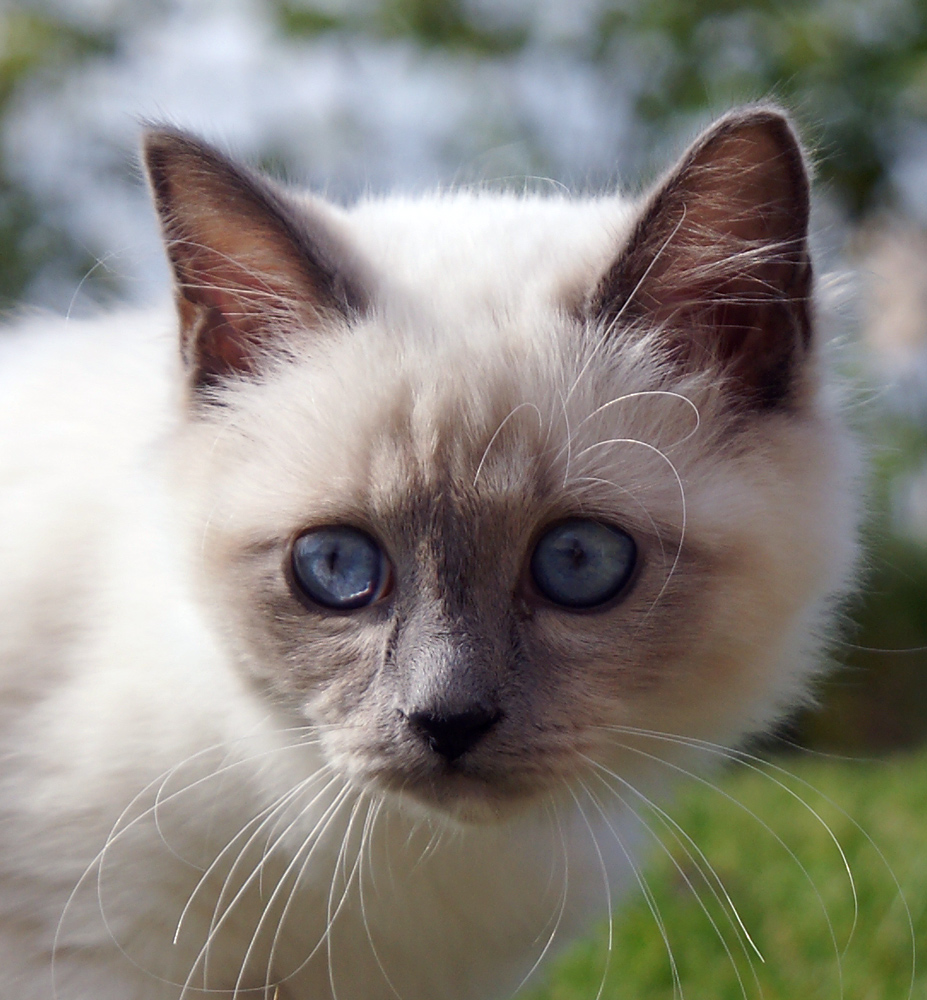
(251, 268)
(718, 260)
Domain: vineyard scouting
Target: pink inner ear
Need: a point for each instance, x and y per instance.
(223, 348)
(225, 332)
(230, 283)
(232, 308)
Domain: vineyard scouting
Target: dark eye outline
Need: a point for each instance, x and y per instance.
(312, 601)
(613, 595)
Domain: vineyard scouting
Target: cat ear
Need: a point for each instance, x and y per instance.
(719, 260)
(251, 269)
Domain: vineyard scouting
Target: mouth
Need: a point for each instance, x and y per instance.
(482, 785)
(456, 790)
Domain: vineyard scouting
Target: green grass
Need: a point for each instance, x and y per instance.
(781, 867)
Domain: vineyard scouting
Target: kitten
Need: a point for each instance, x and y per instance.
(335, 642)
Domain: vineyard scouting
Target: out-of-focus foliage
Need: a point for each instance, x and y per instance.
(770, 837)
(878, 701)
(31, 43)
(854, 70)
(446, 25)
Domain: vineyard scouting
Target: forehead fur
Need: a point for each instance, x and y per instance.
(469, 256)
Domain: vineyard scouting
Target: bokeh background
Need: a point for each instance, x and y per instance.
(350, 96)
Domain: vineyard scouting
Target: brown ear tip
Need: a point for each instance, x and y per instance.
(156, 136)
(765, 113)
(771, 134)
(159, 145)
(768, 119)
(166, 144)
(160, 140)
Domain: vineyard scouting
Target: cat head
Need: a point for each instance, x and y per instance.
(491, 491)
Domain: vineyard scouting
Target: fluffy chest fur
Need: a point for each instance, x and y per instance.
(335, 643)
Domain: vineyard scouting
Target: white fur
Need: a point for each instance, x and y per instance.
(118, 690)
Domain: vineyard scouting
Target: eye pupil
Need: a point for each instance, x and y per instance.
(577, 554)
(581, 564)
(339, 567)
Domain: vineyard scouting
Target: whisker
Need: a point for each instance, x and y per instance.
(607, 884)
(760, 766)
(348, 879)
(569, 437)
(98, 263)
(652, 905)
(643, 394)
(262, 818)
(217, 921)
(366, 841)
(682, 838)
(312, 839)
(610, 328)
(733, 755)
(556, 918)
(119, 831)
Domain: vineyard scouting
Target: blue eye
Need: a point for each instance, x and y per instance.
(581, 564)
(340, 567)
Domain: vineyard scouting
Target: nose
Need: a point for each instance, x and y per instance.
(452, 734)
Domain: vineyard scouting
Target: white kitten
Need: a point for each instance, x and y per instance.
(328, 639)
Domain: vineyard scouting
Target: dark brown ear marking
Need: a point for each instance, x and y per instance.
(251, 268)
(719, 258)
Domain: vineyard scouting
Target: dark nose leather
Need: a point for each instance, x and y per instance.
(452, 735)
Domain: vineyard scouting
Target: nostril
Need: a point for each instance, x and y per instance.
(452, 735)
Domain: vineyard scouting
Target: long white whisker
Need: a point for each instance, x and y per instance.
(569, 439)
(348, 879)
(218, 921)
(642, 394)
(683, 741)
(682, 838)
(261, 819)
(698, 859)
(556, 918)
(608, 888)
(118, 831)
(760, 766)
(366, 845)
(312, 839)
(652, 905)
(613, 323)
(98, 263)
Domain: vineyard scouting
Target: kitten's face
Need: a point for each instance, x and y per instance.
(693, 643)
(478, 560)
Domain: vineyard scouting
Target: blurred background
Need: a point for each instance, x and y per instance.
(350, 96)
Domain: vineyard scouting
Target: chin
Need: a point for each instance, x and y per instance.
(457, 797)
